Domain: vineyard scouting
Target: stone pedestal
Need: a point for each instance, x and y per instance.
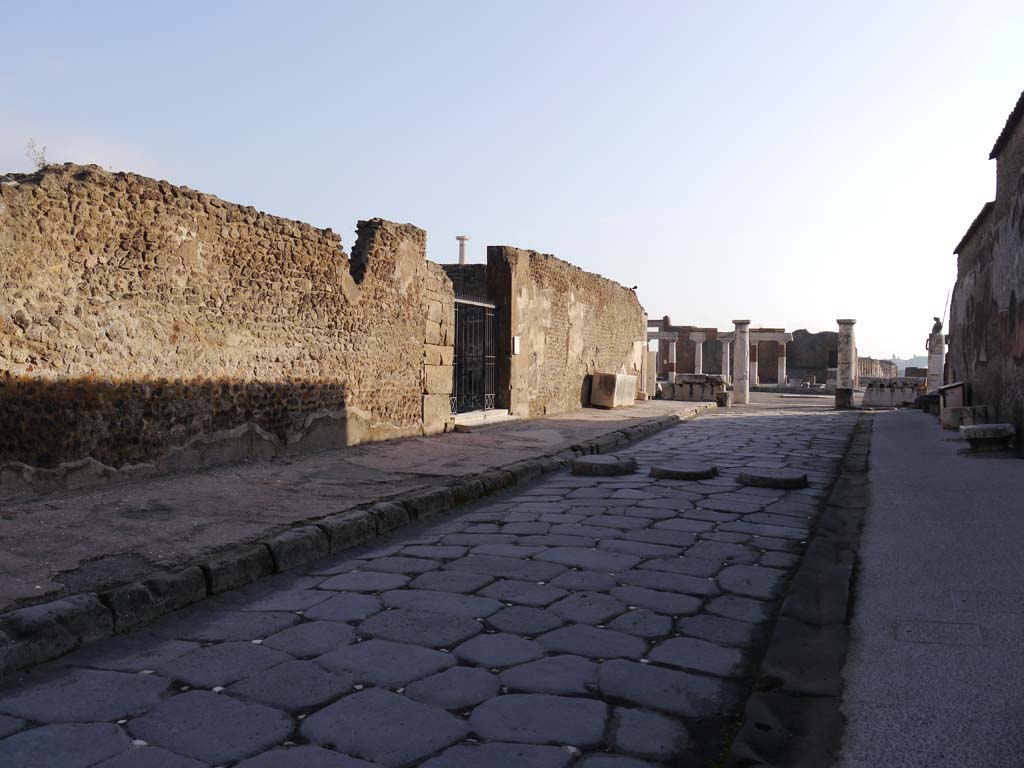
(612, 390)
(936, 360)
(741, 363)
(782, 363)
(846, 372)
(725, 361)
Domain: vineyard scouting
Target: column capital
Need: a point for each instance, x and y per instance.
(846, 322)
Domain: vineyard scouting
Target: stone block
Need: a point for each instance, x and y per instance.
(437, 379)
(389, 516)
(964, 416)
(429, 504)
(989, 437)
(433, 333)
(42, 632)
(348, 529)
(138, 603)
(612, 390)
(237, 568)
(435, 354)
(298, 546)
(723, 399)
(437, 413)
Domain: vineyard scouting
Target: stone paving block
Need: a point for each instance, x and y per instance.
(236, 568)
(455, 688)
(688, 566)
(639, 548)
(541, 719)
(451, 581)
(435, 630)
(303, 757)
(563, 674)
(311, 638)
(751, 581)
(683, 524)
(68, 745)
(211, 625)
(776, 477)
(346, 606)
(498, 650)
(348, 529)
(592, 581)
(507, 567)
(221, 664)
(724, 552)
(364, 581)
(661, 602)
(741, 608)
(211, 727)
(591, 559)
(558, 540)
(476, 539)
(384, 728)
(649, 513)
(42, 632)
(613, 761)
(134, 604)
(587, 607)
(387, 516)
(648, 734)
(400, 564)
(728, 538)
(658, 688)
(759, 529)
(285, 600)
(642, 623)
(9, 725)
(623, 522)
(670, 582)
(698, 656)
(523, 620)
(293, 685)
(603, 465)
(82, 695)
(499, 755)
(593, 642)
(719, 630)
(466, 606)
(661, 537)
(133, 652)
(149, 757)
(728, 505)
(298, 546)
(383, 662)
(507, 550)
(585, 531)
(783, 560)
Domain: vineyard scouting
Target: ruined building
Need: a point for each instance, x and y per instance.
(142, 321)
(986, 330)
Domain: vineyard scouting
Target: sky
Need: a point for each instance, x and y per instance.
(787, 162)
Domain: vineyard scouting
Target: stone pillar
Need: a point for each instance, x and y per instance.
(670, 364)
(782, 363)
(936, 360)
(698, 357)
(846, 371)
(463, 239)
(754, 379)
(741, 363)
(725, 360)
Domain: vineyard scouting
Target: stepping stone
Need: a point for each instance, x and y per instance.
(773, 478)
(684, 470)
(603, 465)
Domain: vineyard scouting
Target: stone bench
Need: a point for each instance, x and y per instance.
(989, 437)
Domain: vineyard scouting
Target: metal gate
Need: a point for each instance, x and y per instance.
(473, 387)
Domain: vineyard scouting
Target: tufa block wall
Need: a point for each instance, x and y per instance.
(135, 315)
(570, 323)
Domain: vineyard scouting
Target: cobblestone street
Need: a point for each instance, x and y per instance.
(603, 622)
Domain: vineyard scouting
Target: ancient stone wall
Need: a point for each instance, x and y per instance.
(569, 323)
(135, 315)
(811, 354)
(469, 280)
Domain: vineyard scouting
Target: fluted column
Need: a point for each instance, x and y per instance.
(741, 363)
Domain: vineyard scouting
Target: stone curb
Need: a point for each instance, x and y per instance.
(793, 717)
(39, 633)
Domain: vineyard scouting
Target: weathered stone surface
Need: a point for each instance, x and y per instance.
(466, 606)
(604, 465)
(436, 630)
(498, 755)
(221, 664)
(524, 620)
(382, 662)
(648, 734)
(642, 623)
(541, 719)
(498, 650)
(9, 725)
(364, 581)
(699, 656)
(311, 638)
(293, 685)
(69, 745)
(587, 558)
(82, 695)
(684, 470)
(677, 692)
(507, 567)
(348, 529)
(303, 757)
(149, 757)
(451, 581)
(210, 625)
(211, 728)
(751, 581)
(298, 546)
(455, 688)
(593, 643)
(587, 607)
(138, 603)
(383, 728)
(563, 674)
(42, 632)
(346, 607)
(612, 390)
(773, 478)
(661, 602)
(237, 568)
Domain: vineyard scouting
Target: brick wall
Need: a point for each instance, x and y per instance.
(136, 314)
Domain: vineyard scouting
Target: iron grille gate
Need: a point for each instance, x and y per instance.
(473, 387)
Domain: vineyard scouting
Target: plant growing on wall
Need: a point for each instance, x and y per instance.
(36, 154)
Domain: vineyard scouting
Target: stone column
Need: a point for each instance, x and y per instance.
(782, 363)
(936, 360)
(846, 371)
(725, 360)
(670, 364)
(754, 379)
(463, 239)
(698, 352)
(741, 363)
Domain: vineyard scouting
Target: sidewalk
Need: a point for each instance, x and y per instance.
(935, 671)
(74, 542)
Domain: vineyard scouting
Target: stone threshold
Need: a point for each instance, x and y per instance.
(793, 717)
(39, 633)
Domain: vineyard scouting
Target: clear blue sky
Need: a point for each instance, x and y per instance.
(790, 162)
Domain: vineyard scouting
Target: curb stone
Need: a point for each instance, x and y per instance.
(793, 717)
(39, 633)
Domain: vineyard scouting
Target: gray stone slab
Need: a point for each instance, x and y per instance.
(149, 757)
(498, 650)
(285, 600)
(729, 505)
(498, 755)
(751, 581)
(662, 537)
(436, 551)
(346, 607)
(210, 625)
(303, 757)
(455, 688)
(67, 745)
(82, 695)
(642, 623)
(9, 725)
(559, 540)
(524, 620)
(506, 567)
(507, 550)
(613, 761)
(523, 592)
(681, 470)
(603, 465)
(773, 478)
(400, 564)
(688, 566)
(670, 603)
(541, 719)
(719, 630)
(591, 581)
(623, 522)
(670, 582)
(439, 601)
(724, 552)
(130, 653)
(591, 559)
(435, 630)
(639, 548)
(647, 734)
(698, 656)
(384, 728)
(211, 727)
(741, 608)
(451, 581)
(563, 674)
(592, 642)
(365, 581)
(221, 664)
(311, 638)
(293, 685)
(382, 662)
(588, 607)
(678, 692)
